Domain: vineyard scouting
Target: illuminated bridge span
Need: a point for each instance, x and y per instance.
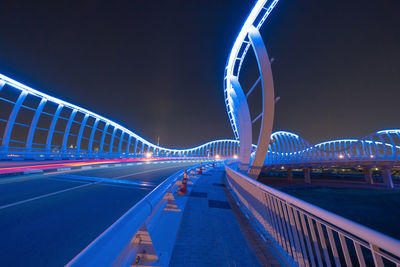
(35, 125)
(40, 126)
(305, 234)
(380, 148)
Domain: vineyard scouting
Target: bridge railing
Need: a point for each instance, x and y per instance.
(118, 245)
(308, 235)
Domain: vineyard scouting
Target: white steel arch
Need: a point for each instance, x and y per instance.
(236, 101)
(112, 136)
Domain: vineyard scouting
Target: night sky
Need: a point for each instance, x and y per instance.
(156, 67)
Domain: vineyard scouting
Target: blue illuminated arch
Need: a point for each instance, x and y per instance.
(119, 136)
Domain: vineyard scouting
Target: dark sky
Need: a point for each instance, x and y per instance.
(156, 67)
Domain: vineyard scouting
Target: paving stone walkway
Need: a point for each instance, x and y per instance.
(210, 234)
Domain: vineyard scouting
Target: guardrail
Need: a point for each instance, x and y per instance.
(307, 235)
(120, 243)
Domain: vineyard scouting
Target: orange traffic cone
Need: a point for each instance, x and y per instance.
(183, 188)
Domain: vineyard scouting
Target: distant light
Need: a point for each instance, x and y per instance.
(283, 167)
(235, 156)
(148, 155)
(371, 156)
(217, 156)
(341, 156)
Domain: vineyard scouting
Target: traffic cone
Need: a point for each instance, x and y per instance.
(183, 188)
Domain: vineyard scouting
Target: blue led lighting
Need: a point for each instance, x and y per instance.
(236, 60)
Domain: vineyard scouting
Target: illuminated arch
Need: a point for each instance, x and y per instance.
(376, 148)
(236, 100)
(104, 138)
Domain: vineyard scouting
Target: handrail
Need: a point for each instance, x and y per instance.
(106, 248)
(376, 241)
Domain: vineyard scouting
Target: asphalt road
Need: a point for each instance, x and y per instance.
(47, 219)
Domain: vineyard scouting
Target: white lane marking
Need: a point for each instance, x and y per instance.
(33, 171)
(42, 196)
(11, 180)
(73, 188)
(63, 169)
(34, 176)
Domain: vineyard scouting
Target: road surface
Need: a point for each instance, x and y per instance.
(47, 219)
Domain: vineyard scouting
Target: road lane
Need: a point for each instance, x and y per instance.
(20, 189)
(50, 230)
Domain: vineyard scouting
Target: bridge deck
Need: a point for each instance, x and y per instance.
(212, 232)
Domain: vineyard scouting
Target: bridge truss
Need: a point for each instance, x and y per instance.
(381, 148)
(34, 125)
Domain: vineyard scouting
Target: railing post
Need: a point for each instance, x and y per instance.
(135, 147)
(121, 139)
(128, 146)
(80, 134)
(51, 129)
(142, 149)
(111, 146)
(32, 128)
(377, 258)
(92, 132)
(103, 136)
(66, 133)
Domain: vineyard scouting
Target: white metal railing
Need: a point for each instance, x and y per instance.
(111, 247)
(308, 235)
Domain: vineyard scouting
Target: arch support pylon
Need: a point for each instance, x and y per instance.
(267, 84)
(242, 113)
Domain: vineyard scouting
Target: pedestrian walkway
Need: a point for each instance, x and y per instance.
(210, 233)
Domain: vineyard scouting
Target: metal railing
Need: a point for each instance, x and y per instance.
(115, 246)
(307, 235)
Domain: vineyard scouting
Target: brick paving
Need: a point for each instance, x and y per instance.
(210, 234)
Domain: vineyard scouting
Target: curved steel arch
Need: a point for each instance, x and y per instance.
(256, 18)
(379, 148)
(285, 148)
(113, 136)
(236, 101)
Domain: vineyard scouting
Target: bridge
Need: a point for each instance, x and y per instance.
(38, 126)
(379, 150)
(135, 200)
